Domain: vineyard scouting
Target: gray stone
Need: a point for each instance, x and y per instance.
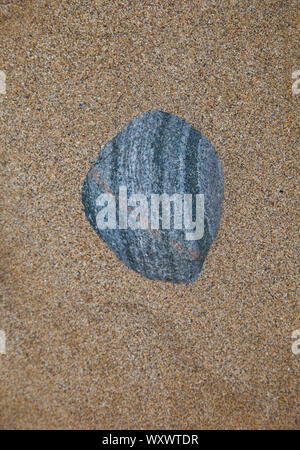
(157, 153)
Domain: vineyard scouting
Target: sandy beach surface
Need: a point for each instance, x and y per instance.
(90, 343)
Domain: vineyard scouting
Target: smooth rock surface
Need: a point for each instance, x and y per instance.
(158, 152)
